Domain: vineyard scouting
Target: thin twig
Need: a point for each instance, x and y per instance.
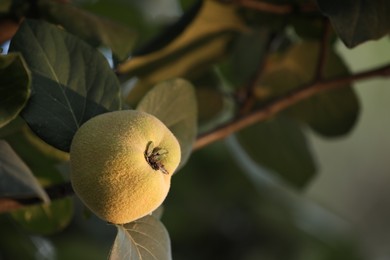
(283, 102)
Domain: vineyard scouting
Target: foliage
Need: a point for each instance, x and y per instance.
(264, 71)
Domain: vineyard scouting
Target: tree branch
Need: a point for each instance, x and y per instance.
(283, 102)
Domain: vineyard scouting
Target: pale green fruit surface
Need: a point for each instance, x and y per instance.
(109, 171)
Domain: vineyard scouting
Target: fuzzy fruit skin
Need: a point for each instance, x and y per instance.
(109, 171)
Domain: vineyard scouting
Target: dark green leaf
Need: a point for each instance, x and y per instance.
(330, 114)
(89, 27)
(358, 21)
(174, 103)
(280, 145)
(247, 54)
(71, 82)
(16, 179)
(142, 239)
(15, 86)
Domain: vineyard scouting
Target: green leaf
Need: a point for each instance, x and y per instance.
(332, 113)
(45, 219)
(71, 82)
(357, 21)
(142, 239)
(280, 145)
(15, 86)
(89, 27)
(174, 103)
(16, 178)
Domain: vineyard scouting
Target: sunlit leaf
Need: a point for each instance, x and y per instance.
(71, 82)
(174, 103)
(16, 178)
(331, 113)
(14, 88)
(142, 239)
(280, 145)
(94, 29)
(357, 21)
(201, 44)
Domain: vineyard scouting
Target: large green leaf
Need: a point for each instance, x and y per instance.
(174, 103)
(142, 239)
(357, 21)
(14, 88)
(331, 113)
(94, 29)
(16, 178)
(71, 82)
(280, 145)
